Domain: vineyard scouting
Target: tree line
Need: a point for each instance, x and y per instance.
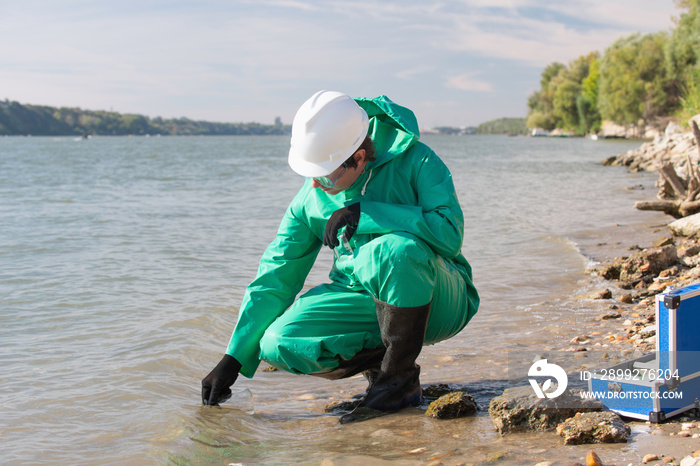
(503, 126)
(640, 79)
(19, 119)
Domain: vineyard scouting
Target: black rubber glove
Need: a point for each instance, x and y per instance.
(216, 387)
(348, 217)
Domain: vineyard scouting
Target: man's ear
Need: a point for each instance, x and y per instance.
(361, 161)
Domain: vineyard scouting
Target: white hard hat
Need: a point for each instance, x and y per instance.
(327, 129)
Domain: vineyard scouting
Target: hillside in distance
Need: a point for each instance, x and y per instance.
(38, 120)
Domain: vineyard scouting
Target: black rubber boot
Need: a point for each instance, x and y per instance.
(346, 406)
(397, 384)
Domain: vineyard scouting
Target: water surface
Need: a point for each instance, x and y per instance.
(124, 261)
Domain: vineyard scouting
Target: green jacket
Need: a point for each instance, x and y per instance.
(407, 189)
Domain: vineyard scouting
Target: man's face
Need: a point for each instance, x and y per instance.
(345, 177)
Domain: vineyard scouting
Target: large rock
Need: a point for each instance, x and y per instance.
(519, 410)
(645, 263)
(452, 405)
(594, 427)
(686, 226)
(648, 261)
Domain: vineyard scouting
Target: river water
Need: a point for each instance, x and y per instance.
(124, 261)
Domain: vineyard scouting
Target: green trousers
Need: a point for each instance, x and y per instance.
(334, 321)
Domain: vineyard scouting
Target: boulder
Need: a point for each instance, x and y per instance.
(611, 270)
(594, 427)
(641, 265)
(520, 410)
(686, 226)
(648, 262)
(452, 405)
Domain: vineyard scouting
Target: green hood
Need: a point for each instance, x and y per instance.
(393, 128)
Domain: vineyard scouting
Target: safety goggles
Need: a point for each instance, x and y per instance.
(330, 181)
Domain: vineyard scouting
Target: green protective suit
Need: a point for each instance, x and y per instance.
(406, 252)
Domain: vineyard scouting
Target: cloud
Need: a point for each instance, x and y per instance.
(305, 6)
(241, 60)
(465, 82)
(409, 73)
(535, 33)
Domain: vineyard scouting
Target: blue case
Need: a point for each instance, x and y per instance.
(666, 383)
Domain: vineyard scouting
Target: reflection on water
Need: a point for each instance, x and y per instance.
(124, 261)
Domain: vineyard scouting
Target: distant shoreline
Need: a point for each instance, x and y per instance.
(17, 119)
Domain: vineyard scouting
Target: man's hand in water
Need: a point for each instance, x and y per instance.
(216, 387)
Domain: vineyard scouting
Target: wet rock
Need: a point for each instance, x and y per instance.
(611, 270)
(649, 457)
(605, 294)
(626, 298)
(610, 315)
(497, 456)
(648, 262)
(592, 459)
(519, 410)
(452, 405)
(580, 338)
(434, 391)
(594, 427)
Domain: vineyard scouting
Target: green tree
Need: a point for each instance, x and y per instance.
(683, 46)
(565, 109)
(509, 126)
(587, 101)
(541, 103)
(633, 82)
(683, 59)
(690, 100)
(558, 104)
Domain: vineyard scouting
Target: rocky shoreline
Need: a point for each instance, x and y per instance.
(675, 146)
(626, 323)
(625, 326)
(671, 262)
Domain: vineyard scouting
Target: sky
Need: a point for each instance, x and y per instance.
(454, 63)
